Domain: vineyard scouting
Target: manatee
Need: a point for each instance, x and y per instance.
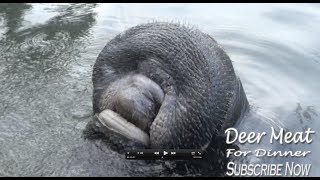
(165, 85)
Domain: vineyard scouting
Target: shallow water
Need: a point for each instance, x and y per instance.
(47, 52)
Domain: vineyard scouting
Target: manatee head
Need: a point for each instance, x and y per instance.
(166, 86)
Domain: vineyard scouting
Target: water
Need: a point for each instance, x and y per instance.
(47, 52)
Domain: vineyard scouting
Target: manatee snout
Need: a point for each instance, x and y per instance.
(135, 104)
(138, 101)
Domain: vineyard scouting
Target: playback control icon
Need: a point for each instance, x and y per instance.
(168, 154)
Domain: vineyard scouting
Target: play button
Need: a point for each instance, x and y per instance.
(165, 153)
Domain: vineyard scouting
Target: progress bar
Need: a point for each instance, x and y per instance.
(169, 154)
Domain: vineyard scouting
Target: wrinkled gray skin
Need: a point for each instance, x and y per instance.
(173, 83)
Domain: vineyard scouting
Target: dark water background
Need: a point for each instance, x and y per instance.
(47, 52)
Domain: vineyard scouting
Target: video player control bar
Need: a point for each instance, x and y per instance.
(152, 154)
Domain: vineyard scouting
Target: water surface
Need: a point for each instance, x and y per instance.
(47, 52)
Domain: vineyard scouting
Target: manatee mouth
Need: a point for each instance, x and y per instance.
(130, 105)
(114, 123)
